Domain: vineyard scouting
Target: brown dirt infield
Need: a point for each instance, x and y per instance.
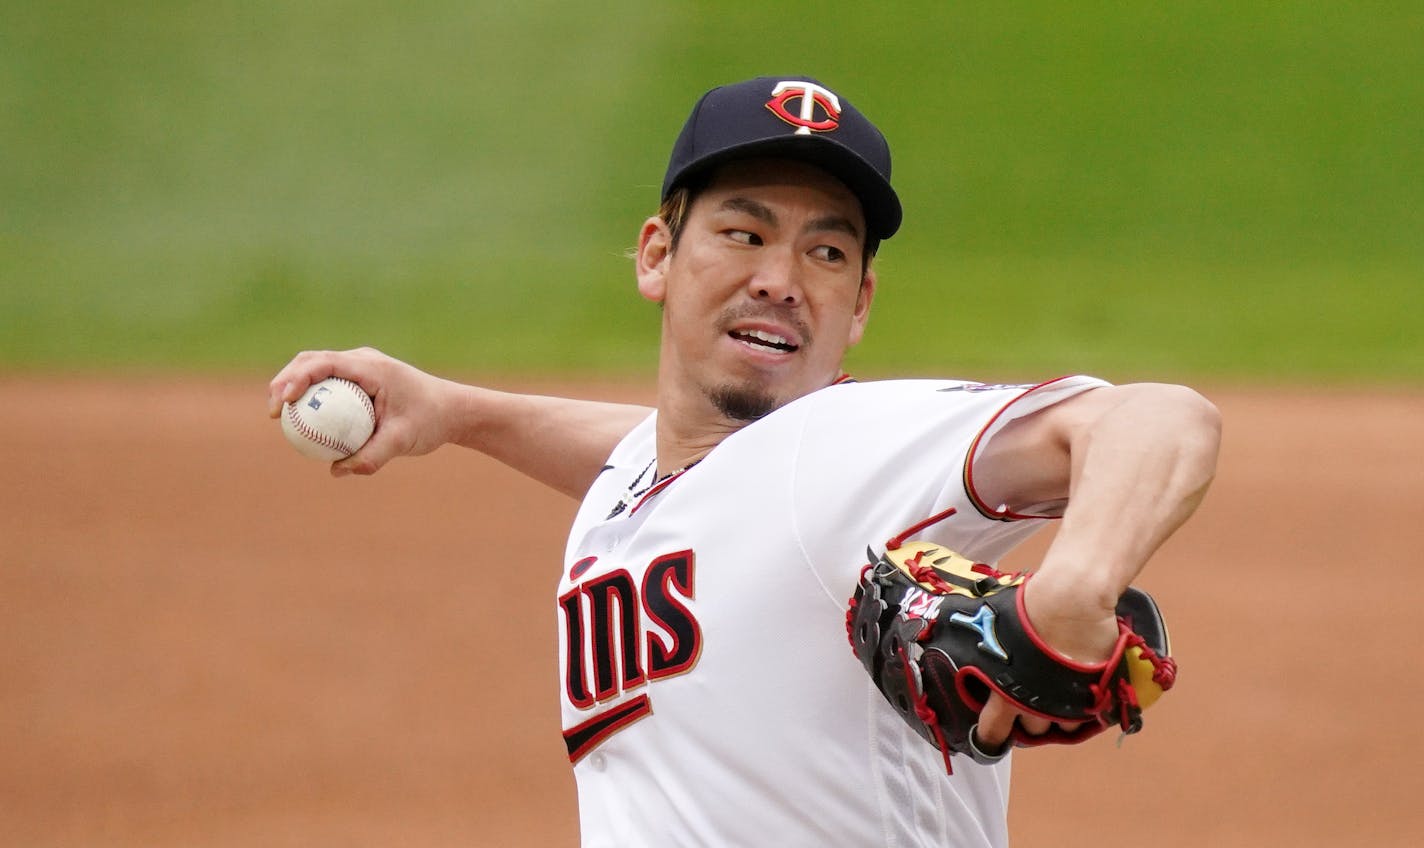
(208, 641)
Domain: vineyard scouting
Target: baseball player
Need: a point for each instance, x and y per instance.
(709, 695)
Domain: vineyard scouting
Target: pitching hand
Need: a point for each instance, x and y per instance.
(410, 404)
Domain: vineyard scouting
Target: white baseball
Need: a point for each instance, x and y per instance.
(331, 421)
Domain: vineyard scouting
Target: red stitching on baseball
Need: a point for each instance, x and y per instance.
(365, 398)
(313, 436)
(322, 439)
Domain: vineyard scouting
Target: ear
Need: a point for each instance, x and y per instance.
(654, 252)
(861, 316)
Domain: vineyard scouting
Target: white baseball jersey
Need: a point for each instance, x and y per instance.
(710, 695)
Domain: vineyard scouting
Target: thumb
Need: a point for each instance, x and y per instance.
(369, 459)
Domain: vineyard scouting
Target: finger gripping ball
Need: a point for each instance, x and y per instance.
(330, 421)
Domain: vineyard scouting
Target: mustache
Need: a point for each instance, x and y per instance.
(766, 312)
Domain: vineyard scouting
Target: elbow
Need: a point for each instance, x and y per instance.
(1202, 417)
(1196, 421)
(1178, 416)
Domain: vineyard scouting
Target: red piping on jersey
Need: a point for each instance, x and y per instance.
(979, 504)
(659, 486)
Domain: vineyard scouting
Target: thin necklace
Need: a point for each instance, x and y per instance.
(633, 493)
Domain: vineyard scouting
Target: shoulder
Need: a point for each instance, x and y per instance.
(902, 403)
(1077, 410)
(1026, 458)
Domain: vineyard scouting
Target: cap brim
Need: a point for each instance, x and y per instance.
(878, 201)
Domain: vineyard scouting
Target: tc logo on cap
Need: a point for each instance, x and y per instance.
(811, 96)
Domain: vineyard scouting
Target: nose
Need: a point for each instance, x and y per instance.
(776, 279)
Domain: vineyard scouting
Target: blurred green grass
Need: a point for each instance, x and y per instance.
(1227, 189)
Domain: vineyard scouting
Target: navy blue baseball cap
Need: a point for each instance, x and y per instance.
(789, 118)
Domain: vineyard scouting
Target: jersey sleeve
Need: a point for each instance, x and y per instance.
(874, 459)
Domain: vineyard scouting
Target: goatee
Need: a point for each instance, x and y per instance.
(742, 403)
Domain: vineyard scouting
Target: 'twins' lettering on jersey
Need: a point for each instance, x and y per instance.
(610, 650)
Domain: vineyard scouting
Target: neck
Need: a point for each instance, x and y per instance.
(689, 426)
(679, 446)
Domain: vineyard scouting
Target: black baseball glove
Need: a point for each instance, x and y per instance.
(938, 632)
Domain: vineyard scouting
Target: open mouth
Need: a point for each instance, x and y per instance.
(764, 341)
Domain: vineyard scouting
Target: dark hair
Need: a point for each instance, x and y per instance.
(676, 209)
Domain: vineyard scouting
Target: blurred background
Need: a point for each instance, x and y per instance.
(205, 641)
(1231, 189)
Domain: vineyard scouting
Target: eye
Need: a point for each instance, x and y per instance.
(744, 237)
(828, 253)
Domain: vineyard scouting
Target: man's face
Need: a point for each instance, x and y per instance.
(765, 291)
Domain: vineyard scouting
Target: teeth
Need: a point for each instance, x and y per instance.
(766, 337)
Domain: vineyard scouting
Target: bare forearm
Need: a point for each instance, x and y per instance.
(1139, 470)
(560, 442)
(557, 441)
(1138, 461)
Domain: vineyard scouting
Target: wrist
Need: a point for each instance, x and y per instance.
(460, 411)
(1076, 619)
(1084, 591)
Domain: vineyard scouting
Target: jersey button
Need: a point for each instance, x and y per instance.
(598, 762)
